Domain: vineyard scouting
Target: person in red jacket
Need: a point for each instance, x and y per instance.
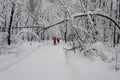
(54, 40)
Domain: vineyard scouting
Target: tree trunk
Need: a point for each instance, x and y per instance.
(66, 31)
(65, 26)
(114, 39)
(10, 25)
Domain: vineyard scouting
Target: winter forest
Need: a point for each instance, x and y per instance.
(88, 32)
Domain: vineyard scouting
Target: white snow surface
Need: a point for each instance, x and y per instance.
(16, 54)
(44, 61)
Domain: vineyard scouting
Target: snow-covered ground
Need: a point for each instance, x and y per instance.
(86, 69)
(44, 61)
(17, 53)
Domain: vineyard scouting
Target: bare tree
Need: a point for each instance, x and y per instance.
(10, 24)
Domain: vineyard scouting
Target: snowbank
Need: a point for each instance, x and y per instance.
(102, 52)
(85, 69)
(98, 68)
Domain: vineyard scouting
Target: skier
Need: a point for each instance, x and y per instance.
(54, 40)
(58, 40)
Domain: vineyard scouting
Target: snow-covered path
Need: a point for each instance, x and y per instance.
(46, 63)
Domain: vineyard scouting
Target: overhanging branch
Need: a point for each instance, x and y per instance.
(102, 15)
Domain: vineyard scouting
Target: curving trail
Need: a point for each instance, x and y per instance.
(46, 63)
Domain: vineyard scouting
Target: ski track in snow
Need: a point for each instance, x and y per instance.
(45, 63)
(8, 61)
